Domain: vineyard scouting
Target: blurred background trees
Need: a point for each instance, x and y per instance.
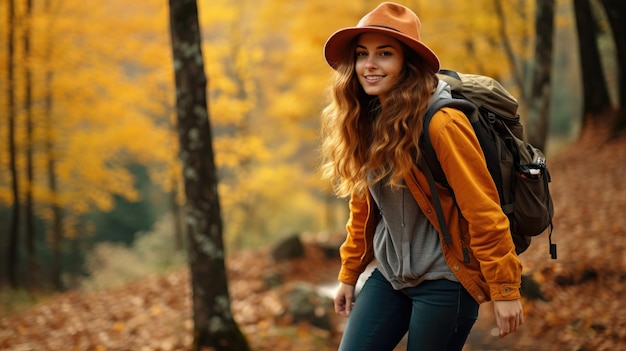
(89, 150)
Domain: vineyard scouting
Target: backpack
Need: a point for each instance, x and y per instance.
(518, 169)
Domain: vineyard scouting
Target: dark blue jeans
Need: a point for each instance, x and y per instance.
(438, 315)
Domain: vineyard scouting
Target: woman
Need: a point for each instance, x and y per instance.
(385, 78)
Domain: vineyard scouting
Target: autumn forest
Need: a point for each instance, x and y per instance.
(92, 187)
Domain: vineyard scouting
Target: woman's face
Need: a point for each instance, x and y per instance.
(379, 63)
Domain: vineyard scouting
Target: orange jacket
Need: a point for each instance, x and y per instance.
(478, 223)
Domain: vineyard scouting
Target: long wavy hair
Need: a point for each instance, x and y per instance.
(360, 135)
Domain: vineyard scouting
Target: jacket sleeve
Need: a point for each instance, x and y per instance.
(356, 251)
(490, 241)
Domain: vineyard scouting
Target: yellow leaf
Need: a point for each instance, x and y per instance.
(21, 329)
(119, 326)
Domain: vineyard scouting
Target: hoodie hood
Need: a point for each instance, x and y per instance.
(442, 92)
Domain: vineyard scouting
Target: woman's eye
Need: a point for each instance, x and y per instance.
(361, 54)
(386, 53)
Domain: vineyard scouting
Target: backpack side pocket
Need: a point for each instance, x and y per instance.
(533, 205)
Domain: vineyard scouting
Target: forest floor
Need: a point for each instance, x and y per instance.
(582, 309)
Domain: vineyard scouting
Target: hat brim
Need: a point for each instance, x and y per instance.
(336, 46)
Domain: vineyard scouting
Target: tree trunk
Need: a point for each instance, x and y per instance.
(57, 217)
(177, 216)
(56, 230)
(616, 13)
(12, 254)
(29, 217)
(596, 100)
(214, 325)
(516, 70)
(540, 94)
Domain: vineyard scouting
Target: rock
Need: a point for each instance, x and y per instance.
(273, 280)
(531, 289)
(330, 250)
(288, 248)
(305, 304)
(585, 275)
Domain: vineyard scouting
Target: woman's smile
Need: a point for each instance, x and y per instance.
(373, 79)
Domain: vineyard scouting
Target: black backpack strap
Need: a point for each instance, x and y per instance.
(546, 176)
(445, 232)
(447, 238)
(427, 147)
(431, 166)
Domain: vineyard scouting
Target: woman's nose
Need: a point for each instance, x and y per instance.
(371, 62)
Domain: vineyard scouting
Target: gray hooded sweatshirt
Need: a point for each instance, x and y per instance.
(406, 245)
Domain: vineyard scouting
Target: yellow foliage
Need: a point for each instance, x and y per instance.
(107, 68)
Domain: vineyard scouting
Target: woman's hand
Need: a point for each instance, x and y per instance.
(344, 299)
(509, 315)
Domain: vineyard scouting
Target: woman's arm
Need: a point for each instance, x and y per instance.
(463, 162)
(356, 251)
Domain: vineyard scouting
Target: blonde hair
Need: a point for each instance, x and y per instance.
(361, 136)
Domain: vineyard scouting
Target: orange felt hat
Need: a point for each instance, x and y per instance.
(388, 18)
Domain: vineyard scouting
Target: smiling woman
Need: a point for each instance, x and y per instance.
(385, 79)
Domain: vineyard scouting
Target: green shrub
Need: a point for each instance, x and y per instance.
(152, 253)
